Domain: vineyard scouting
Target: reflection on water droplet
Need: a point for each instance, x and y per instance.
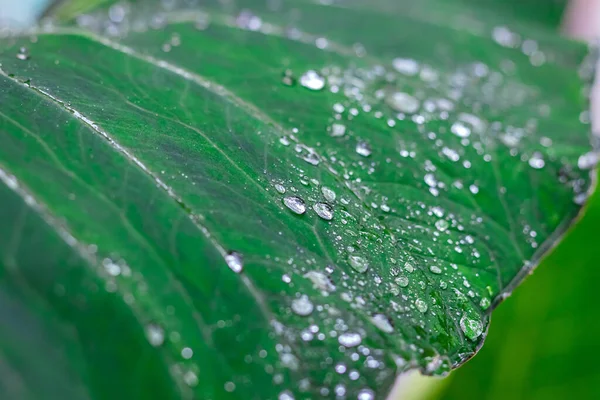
(366, 394)
(402, 281)
(324, 211)
(358, 263)
(155, 334)
(472, 328)
(421, 305)
(280, 188)
(435, 269)
(382, 322)
(312, 80)
(296, 204)
(349, 339)
(363, 149)
(235, 261)
(403, 102)
(302, 306)
(286, 396)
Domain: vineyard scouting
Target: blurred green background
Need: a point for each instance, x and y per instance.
(544, 340)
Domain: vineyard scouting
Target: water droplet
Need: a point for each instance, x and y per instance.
(363, 149)
(435, 269)
(438, 366)
(484, 303)
(312, 80)
(155, 334)
(288, 78)
(472, 328)
(286, 396)
(112, 268)
(280, 188)
(441, 225)
(320, 281)
(366, 394)
(421, 305)
(302, 306)
(296, 204)
(460, 130)
(235, 261)
(190, 379)
(328, 194)
(588, 160)
(403, 102)
(536, 161)
(406, 66)
(402, 281)
(324, 211)
(383, 323)
(23, 54)
(358, 263)
(338, 130)
(187, 353)
(349, 339)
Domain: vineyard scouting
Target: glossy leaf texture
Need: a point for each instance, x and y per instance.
(275, 200)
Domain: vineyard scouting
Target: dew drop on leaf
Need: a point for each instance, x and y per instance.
(302, 306)
(421, 305)
(588, 160)
(435, 269)
(288, 78)
(403, 102)
(363, 149)
(366, 394)
(312, 80)
(296, 204)
(328, 194)
(235, 261)
(402, 281)
(383, 323)
(460, 130)
(324, 211)
(358, 263)
(155, 334)
(472, 328)
(338, 130)
(190, 378)
(23, 54)
(536, 161)
(406, 66)
(349, 339)
(280, 188)
(441, 225)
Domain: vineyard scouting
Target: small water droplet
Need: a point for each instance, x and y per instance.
(435, 269)
(383, 323)
(312, 80)
(366, 394)
(190, 379)
(288, 78)
(286, 396)
(112, 268)
(235, 261)
(349, 339)
(403, 102)
(460, 130)
(338, 130)
(402, 281)
(296, 204)
(358, 263)
(363, 149)
(406, 66)
(280, 188)
(23, 54)
(302, 306)
(484, 303)
(187, 353)
(324, 211)
(441, 225)
(588, 160)
(421, 305)
(536, 161)
(472, 328)
(155, 334)
(328, 194)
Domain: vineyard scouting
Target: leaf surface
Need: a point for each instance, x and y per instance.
(259, 202)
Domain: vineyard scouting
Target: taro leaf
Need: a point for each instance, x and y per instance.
(288, 200)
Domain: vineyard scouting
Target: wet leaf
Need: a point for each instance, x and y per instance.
(275, 200)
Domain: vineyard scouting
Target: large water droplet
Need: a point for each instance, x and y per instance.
(382, 322)
(23, 54)
(358, 263)
(302, 306)
(296, 204)
(402, 281)
(363, 149)
(472, 328)
(155, 334)
(349, 339)
(324, 211)
(235, 261)
(403, 102)
(312, 80)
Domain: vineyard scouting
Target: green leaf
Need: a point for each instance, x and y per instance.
(271, 201)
